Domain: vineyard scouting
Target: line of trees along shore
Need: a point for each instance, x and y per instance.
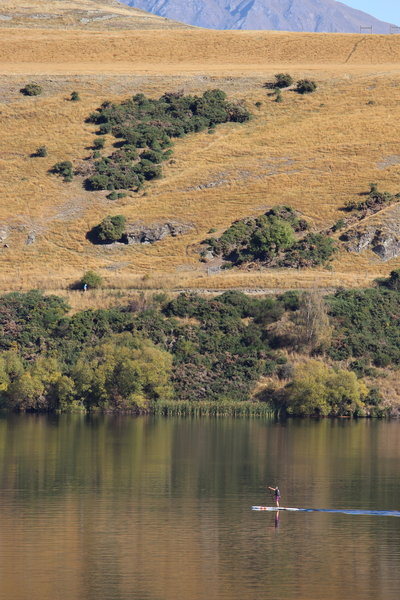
(296, 353)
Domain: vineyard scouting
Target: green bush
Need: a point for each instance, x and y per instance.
(64, 169)
(91, 280)
(99, 143)
(392, 282)
(319, 390)
(313, 250)
(306, 86)
(283, 80)
(75, 97)
(149, 126)
(31, 89)
(109, 230)
(278, 95)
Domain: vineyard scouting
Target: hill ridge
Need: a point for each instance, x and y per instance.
(80, 14)
(284, 15)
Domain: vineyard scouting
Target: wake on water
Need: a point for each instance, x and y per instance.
(377, 513)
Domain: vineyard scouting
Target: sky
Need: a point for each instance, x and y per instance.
(385, 10)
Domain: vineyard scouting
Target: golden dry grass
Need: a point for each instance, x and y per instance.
(312, 152)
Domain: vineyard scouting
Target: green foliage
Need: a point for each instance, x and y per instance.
(64, 169)
(319, 390)
(99, 143)
(31, 89)
(305, 86)
(28, 321)
(271, 239)
(313, 250)
(340, 224)
(278, 95)
(124, 373)
(283, 80)
(75, 97)
(392, 282)
(149, 126)
(91, 280)
(366, 325)
(194, 348)
(374, 201)
(110, 230)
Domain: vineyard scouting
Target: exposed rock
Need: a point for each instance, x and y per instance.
(31, 238)
(382, 238)
(138, 233)
(3, 233)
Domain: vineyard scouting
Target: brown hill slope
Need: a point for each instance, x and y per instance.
(311, 152)
(79, 14)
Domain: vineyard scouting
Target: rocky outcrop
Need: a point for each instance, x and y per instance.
(382, 237)
(138, 233)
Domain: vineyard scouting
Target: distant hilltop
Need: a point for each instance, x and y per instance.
(284, 15)
(79, 14)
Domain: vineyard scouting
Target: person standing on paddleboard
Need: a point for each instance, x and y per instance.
(277, 494)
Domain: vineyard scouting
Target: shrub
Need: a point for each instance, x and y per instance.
(306, 86)
(41, 151)
(340, 224)
(31, 89)
(99, 143)
(64, 169)
(319, 390)
(278, 95)
(314, 249)
(75, 97)
(148, 125)
(91, 279)
(109, 230)
(283, 80)
(392, 282)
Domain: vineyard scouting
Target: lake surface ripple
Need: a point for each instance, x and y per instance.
(124, 508)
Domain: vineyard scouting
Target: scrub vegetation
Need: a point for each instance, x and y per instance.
(146, 128)
(295, 353)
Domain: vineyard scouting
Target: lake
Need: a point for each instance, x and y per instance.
(118, 508)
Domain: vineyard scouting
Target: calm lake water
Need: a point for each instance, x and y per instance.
(118, 508)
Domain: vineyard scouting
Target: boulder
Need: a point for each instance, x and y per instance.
(138, 233)
(381, 236)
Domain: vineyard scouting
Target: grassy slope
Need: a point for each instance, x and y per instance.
(310, 152)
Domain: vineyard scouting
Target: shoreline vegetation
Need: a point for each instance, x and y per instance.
(294, 353)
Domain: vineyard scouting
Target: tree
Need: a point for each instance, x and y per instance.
(123, 373)
(320, 390)
(272, 235)
(314, 330)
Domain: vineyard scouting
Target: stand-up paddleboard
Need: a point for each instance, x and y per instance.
(379, 513)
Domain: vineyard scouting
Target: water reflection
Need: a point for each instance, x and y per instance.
(122, 508)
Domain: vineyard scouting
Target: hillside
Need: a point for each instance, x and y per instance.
(284, 15)
(311, 152)
(78, 14)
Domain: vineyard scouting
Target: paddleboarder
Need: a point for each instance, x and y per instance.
(277, 494)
